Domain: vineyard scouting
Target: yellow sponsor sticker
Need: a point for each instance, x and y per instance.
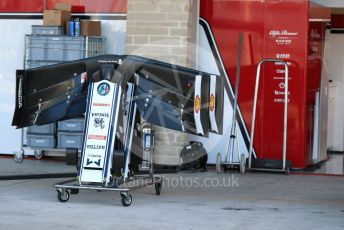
(197, 104)
(212, 102)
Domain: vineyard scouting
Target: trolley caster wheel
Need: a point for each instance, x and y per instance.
(126, 199)
(38, 154)
(158, 188)
(218, 163)
(242, 163)
(19, 157)
(63, 196)
(74, 191)
(287, 171)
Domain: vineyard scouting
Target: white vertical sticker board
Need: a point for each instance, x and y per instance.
(212, 104)
(216, 143)
(198, 105)
(98, 142)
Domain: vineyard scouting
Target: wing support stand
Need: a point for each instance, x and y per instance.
(103, 116)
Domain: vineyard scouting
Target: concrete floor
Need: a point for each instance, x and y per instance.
(32, 166)
(188, 201)
(334, 165)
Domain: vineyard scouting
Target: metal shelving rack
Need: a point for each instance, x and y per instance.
(43, 50)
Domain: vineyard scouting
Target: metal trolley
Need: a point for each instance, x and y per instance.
(269, 164)
(233, 141)
(123, 185)
(65, 188)
(42, 50)
(47, 141)
(88, 167)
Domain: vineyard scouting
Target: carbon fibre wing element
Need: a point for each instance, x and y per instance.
(166, 95)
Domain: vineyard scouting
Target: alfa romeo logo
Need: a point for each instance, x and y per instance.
(103, 89)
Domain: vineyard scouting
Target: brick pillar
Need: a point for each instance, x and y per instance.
(165, 30)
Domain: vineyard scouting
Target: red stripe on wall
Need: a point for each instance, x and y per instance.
(37, 6)
(91, 6)
(28, 6)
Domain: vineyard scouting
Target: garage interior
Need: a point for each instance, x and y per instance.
(227, 38)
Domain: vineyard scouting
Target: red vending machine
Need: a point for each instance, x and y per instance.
(290, 30)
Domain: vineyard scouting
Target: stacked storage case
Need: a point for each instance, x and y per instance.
(42, 136)
(48, 30)
(46, 46)
(42, 50)
(70, 133)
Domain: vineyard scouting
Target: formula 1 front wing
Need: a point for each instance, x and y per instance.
(166, 95)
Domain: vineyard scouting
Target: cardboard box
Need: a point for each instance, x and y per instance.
(58, 16)
(90, 28)
(55, 17)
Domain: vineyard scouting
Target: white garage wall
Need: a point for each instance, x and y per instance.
(11, 58)
(330, 3)
(336, 94)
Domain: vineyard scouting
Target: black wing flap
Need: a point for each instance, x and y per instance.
(165, 93)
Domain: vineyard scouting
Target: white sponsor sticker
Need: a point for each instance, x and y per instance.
(98, 130)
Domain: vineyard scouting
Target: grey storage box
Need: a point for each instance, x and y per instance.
(42, 129)
(35, 47)
(62, 48)
(54, 49)
(69, 140)
(40, 141)
(72, 125)
(48, 30)
(34, 64)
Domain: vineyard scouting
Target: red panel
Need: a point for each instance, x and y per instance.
(285, 37)
(337, 21)
(91, 6)
(28, 6)
(272, 29)
(227, 19)
(88, 6)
